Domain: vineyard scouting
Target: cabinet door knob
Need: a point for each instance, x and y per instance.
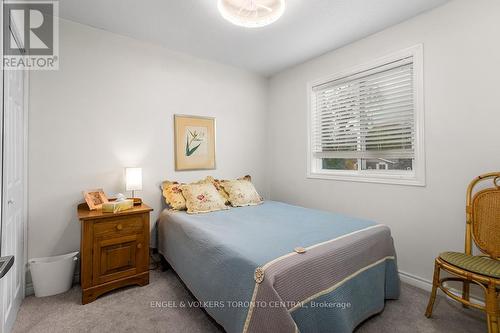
(119, 227)
(139, 245)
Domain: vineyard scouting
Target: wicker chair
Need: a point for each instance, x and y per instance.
(483, 227)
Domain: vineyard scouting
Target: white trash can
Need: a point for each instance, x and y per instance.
(52, 275)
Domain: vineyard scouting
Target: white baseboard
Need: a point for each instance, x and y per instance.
(426, 285)
(415, 281)
(29, 290)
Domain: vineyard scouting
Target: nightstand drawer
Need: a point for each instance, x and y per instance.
(120, 226)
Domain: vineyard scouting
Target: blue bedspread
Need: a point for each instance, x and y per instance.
(216, 254)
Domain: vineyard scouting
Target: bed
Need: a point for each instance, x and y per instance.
(282, 268)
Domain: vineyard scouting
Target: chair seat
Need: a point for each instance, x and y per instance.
(476, 264)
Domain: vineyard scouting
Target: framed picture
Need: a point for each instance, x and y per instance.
(194, 140)
(95, 198)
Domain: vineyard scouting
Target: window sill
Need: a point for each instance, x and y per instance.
(394, 179)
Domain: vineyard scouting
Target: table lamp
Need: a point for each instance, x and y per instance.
(133, 182)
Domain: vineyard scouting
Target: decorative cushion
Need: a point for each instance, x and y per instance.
(218, 185)
(241, 192)
(247, 177)
(476, 264)
(172, 193)
(220, 189)
(202, 198)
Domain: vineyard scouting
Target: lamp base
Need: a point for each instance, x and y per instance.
(137, 201)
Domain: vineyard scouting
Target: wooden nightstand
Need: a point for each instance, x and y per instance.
(114, 250)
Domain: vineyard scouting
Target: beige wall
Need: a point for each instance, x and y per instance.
(111, 105)
(462, 117)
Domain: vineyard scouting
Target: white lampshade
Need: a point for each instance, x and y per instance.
(133, 179)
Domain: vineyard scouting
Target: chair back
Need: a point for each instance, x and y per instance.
(483, 216)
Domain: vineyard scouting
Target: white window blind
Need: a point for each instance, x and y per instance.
(370, 114)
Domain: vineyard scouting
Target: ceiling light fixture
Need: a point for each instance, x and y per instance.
(251, 13)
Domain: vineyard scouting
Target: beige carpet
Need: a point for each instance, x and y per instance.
(130, 310)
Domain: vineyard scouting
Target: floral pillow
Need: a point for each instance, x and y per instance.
(220, 189)
(172, 193)
(218, 185)
(241, 192)
(202, 198)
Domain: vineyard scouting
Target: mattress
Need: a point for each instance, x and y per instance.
(282, 268)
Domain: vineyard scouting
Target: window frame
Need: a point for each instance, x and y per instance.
(415, 177)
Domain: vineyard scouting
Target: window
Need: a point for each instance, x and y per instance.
(367, 124)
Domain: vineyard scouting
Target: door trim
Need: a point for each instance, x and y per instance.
(1, 128)
(23, 258)
(26, 180)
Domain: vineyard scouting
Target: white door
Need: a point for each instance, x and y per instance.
(13, 212)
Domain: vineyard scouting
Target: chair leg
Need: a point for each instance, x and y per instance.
(435, 284)
(466, 292)
(492, 309)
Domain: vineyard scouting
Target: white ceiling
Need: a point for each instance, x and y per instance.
(307, 29)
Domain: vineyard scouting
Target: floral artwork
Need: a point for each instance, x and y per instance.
(196, 140)
(194, 143)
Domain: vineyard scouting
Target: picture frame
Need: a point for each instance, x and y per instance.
(194, 142)
(95, 198)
